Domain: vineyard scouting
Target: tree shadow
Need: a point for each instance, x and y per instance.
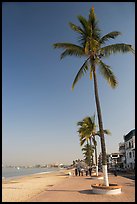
(89, 178)
(132, 177)
(130, 184)
(88, 191)
(61, 190)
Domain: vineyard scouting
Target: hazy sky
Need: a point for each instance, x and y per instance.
(39, 110)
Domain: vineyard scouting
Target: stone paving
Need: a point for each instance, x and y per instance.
(78, 189)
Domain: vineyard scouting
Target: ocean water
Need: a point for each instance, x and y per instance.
(10, 173)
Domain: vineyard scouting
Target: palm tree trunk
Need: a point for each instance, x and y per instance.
(91, 155)
(103, 147)
(89, 160)
(96, 160)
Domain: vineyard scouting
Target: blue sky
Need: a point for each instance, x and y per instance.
(39, 109)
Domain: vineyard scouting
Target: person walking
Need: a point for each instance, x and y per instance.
(76, 171)
(86, 172)
(82, 172)
(90, 171)
(79, 171)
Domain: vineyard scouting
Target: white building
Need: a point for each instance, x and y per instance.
(126, 156)
(129, 141)
(115, 159)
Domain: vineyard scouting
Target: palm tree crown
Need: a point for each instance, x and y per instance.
(92, 47)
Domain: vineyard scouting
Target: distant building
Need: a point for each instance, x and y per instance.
(129, 141)
(113, 160)
(125, 158)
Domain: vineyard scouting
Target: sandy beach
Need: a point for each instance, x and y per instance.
(24, 188)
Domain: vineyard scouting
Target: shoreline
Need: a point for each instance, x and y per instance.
(25, 187)
(6, 179)
(30, 173)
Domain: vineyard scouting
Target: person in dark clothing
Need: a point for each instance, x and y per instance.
(76, 172)
(90, 171)
(115, 172)
(86, 172)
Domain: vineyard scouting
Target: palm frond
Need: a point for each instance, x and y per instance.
(94, 141)
(108, 74)
(107, 132)
(93, 22)
(112, 35)
(92, 16)
(87, 120)
(80, 73)
(96, 33)
(114, 48)
(83, 132)
(82, 40)
(85, 25)
(82, 142)
(80, 123)
(70, 49)
(93, 118)
(67, 46)
(70, 52)
(76, 28)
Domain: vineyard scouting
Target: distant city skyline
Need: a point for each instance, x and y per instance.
(39, 110)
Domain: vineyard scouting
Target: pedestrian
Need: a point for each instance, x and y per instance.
(115, 172)
(86, 172)
(76, 171)
(90, 171)
(82, 171)
(79, 171)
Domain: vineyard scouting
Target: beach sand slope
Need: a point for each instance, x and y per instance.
(24, 188)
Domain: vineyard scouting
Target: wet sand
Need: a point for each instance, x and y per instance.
(24, 188)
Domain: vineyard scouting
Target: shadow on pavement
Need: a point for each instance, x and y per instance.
(88, 191)
(127, 176)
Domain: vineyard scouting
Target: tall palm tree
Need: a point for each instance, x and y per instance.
(92, 46)
(87, 131)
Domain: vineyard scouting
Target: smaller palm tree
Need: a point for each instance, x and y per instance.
(85, 137)
(87, 132)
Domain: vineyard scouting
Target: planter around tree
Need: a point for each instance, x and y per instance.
(113, 188)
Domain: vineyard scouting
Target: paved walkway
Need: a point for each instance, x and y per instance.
(78, 189)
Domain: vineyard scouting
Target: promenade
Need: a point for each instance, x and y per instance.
(78, 189)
